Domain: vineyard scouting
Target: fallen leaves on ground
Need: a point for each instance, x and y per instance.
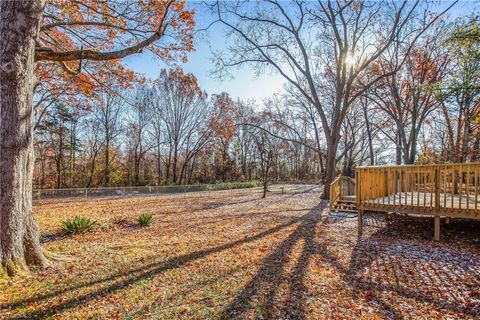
(233, 255)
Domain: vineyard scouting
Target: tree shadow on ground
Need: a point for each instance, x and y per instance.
(400, 258)
(122, 280)
(260, 292)
(409, 270)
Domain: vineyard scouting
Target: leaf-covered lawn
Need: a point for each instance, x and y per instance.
(233, 255)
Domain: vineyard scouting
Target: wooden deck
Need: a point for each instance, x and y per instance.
(446, 190)
(425, 200)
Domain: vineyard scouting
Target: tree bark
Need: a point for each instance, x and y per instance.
(159, 165)
(398, 149)
(19, 236)
(369, 133)
(59, 157)
(107, 163)
(174, 166)
(136, 164)
(475, 149)
(330, 167)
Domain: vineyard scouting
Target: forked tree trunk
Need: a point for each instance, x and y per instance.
(19, 233)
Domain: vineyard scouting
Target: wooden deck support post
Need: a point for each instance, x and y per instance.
(436, 228)
(447, 220)
(388, 217)
(360, 222)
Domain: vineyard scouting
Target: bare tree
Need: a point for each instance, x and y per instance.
(408, 97)
(93, 145)
(139, 116)
(108, 111)
(182, 105)
(156, 133)
(286, 38)
(461, 93)
(266, 154)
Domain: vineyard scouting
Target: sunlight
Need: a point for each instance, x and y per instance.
(350, 60)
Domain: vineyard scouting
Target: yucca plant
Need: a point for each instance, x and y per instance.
(145, 219)
(77, 225)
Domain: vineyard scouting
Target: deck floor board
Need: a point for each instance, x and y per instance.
(427, 199)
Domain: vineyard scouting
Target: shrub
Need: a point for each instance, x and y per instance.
(248, 184)
(77, 225)
(145, 219)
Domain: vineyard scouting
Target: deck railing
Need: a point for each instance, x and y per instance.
(443, 189)
(335, 192)
(340, 187)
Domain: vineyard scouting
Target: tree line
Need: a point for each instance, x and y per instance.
(356, 93)
(166, 131)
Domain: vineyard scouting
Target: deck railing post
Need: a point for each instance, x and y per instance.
(437, 188)
(357, 187)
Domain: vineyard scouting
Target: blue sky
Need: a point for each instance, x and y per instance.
(245, 84)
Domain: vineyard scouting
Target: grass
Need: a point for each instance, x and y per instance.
(232, 255)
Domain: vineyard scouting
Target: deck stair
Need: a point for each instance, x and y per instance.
(345, 204)
(342, 195)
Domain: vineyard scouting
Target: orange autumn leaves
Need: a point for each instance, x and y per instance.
(222, 121)
(106, 26)
(184, 84)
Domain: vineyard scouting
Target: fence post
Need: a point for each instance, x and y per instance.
(86, 193)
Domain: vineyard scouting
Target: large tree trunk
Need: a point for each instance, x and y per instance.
(330, 167)
(265, 178)
(168, 164)
(92, 171)
(369, 135)
(19, 234)
(398, 149)
(475, 149)
(136, 167)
